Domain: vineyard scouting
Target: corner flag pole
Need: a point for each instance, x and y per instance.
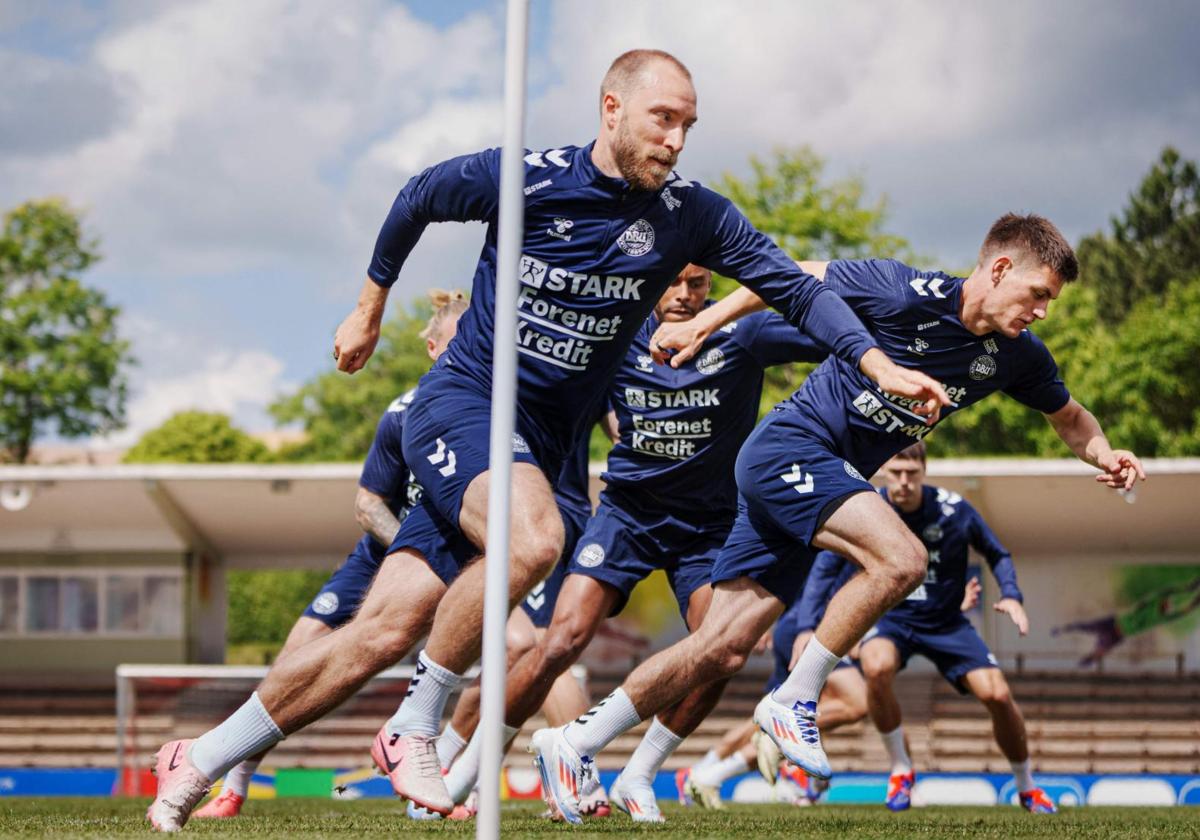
(511, 235)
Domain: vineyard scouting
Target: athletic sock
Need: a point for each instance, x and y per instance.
(1023, 776)
(893, 742)
(592, 730)
(464, 773)
(243, 734)
(806, 680)
(710, 758)
(655, 747)
(714, 775)
(238, 779)
(449, 745)
(420, 712)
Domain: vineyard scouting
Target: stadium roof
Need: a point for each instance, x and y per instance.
(284, 515)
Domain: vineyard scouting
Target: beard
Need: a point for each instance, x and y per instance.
(643, 172)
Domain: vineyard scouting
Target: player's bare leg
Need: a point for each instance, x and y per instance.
(633, 790)
(236, 786)
(1008, 725)
(880, 663)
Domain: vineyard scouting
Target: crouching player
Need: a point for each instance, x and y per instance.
(930, 623)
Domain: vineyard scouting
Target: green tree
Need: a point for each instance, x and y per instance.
(1153, 242)
(62, 363)
(197, 437)
(788, 198)
(339, 413)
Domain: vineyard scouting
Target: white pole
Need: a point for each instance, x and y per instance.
(504, 399)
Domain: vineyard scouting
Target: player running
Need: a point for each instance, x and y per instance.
(607, 228)
(385, 492)
(801, 485)
(930, 623)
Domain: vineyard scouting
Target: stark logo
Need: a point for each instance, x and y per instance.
(638, 239)
(635, 397)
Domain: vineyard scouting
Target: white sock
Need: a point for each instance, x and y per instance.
(894, 743)
(449, 745)
(420, 712)
(714, 775)
(1023, 775)
(243, 734)
(710, 758)
(804, 683)
(655, 747)
(592, 730)
(464, 773)
(238, 779)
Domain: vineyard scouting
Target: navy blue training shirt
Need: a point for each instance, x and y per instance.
(914, 316)
(597, 256)
(681, 429)
(385, 472)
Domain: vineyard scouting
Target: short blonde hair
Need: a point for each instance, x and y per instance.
(445, 305)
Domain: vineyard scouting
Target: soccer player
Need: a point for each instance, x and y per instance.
(800, 479)
(930, 622)
(384, 493)
(668, 503)
(608, 226)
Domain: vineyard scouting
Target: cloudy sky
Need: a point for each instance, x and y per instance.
(236, 158)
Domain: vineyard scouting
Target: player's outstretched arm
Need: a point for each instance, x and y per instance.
(679, 341)
(375, 517)
(1079, 430)
(355, 339)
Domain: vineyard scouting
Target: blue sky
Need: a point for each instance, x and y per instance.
(236, 159)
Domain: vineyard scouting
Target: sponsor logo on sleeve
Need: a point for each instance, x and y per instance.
(638, 239)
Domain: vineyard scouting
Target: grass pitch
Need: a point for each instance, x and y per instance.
(65, 819)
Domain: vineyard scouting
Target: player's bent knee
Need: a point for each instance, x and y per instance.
(563, 644)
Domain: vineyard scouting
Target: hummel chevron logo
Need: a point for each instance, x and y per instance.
(801, 482)
(555, 156)
(933, 284)
(443, 454)
(536, 599)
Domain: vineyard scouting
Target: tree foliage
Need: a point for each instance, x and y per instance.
(62, 363)
(197, 437)
(1154, 242)
(339, 413)
(788, 198)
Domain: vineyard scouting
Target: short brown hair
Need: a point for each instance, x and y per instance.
(1038, 237)
(623, 73)
(916, 452)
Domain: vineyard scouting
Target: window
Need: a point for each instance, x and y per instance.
(103, 602)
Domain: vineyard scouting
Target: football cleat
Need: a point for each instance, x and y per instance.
(706, 796)
(794, 731)
(636, 798)
(810, 789)
(180, 786)
(415, 812)
(1036, 801)
(899, 791)
(595, 804)
(681, 779)
(767, 756)
(566, 775)
(469, 807)
(227, 805)
(411, 763)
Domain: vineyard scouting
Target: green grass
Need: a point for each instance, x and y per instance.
(304, 818)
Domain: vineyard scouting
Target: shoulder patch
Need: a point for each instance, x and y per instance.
(548, 158)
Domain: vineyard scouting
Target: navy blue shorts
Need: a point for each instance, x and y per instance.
(789, 482)
(539, 603)
(956, 648)
(624, 542)
(446, 440)
(341, 596)
(443, 546)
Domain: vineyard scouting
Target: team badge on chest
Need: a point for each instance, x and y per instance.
(984, 367)
(638, 239)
